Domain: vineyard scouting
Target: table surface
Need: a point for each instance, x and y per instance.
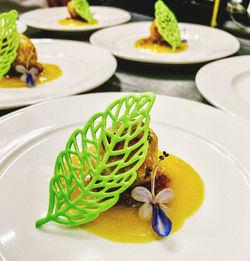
(172, 80)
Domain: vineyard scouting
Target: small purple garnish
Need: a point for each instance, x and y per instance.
(161, 223)
(28, 76)
(30, 80)
(154, 207)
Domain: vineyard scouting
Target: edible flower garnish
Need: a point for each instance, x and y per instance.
(28, 76)
(154, 207)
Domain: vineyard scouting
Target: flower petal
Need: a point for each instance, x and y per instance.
(21, 69)
(146, 211)
(141, 194)
(30, 80)
(165, 196)
(161, 223)
(166, 210)
(23, 77)
(33, 71)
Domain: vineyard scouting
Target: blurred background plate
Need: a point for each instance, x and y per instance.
(226, 84)
(205, 43)
(47, 18)
(83, 66)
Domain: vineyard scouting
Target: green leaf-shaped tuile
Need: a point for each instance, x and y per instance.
(9, 41)
(82, 8)
(167, 24)
(100, 161)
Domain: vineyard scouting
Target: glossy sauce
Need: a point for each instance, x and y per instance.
(149, 44)
(121, 224)
(49, 73)
(74, 22)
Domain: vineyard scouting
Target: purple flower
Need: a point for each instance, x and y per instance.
(162, 225)
(154, 207)
(28, 76)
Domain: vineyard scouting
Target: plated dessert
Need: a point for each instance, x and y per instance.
(112, 180)
(19, 63)
(164, 32)
(80, 14)
(208, 233)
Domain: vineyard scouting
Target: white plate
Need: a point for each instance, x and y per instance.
(205, 43)
(84, 67)
(226, 84)
(215, 143)
(21, 27)
(47, 18)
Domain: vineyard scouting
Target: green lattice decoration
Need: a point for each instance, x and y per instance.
(100, 161)
(167, 24)
(82, 8)
(9, 41)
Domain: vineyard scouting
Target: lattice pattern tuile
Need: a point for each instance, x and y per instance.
(82, 8)
(167, 24)
(9, 41)
(100, 161)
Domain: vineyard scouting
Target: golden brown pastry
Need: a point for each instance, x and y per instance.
(72, 11)
(146, 169)
(154, 34)
(144, 173)
(26, 54)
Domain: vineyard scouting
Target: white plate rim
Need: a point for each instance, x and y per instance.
(127, 17)
(185, 105)
(97, 81)
(94, 36)
(237, 108)
(234, 149)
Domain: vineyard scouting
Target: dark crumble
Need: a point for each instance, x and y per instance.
(165, 154)
(136, 139)
(150, 138)
(161, 157)
(147, 172)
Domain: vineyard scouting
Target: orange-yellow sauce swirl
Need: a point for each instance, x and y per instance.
(49, 73)
(74, 22)
(122, 224)
(149, 44)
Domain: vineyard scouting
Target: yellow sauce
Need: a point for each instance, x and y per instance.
(74, 22)
(122, 224)
(148, 44)
(49, 73)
